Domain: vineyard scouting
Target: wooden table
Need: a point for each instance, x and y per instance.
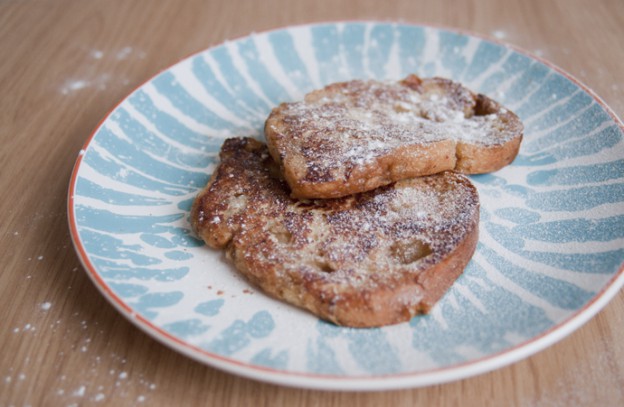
(65, 63)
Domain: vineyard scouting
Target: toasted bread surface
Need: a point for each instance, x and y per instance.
(366, 260)
(354, 136)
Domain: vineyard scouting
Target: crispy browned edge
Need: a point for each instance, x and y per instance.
(380, 307)
(402, 162)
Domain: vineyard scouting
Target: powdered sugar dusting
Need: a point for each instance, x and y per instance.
(89, 386)
(345, 246)
(103, 80)
(357, 122)
(499, 34)
(73, 85)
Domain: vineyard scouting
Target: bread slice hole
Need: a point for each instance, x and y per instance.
(485, 106)
(325, 266)
(238, 201)
(236, 205)
(281, 234)
(322, 262)
(400, 107)
(411, 251)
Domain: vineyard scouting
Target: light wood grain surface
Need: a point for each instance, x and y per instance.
(65, 63)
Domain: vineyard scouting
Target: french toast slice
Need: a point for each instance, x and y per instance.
(366, 260)
(355, 136)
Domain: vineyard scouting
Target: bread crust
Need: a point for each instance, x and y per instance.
(366, 260)
(355, 136)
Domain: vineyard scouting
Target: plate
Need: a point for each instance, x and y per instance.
(551, 247)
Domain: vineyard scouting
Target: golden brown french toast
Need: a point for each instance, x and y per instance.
(365, 260)
(355, 136)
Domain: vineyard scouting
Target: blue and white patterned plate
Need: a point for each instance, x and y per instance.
(552, 233)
